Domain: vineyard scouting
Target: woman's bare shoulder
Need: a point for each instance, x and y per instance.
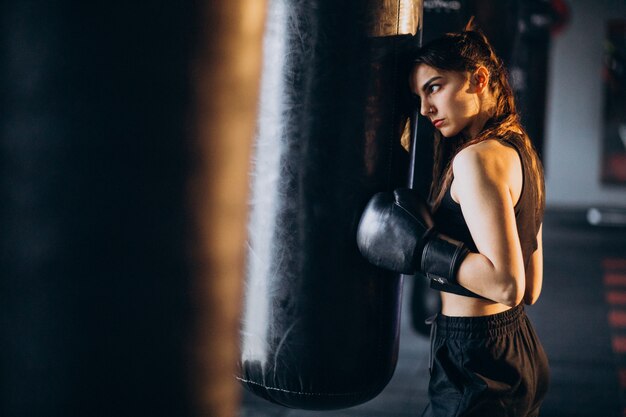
(490, 157)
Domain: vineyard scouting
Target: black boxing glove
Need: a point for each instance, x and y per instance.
(393, 229)
(396, 232)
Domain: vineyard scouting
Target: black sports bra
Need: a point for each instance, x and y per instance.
(449, 220)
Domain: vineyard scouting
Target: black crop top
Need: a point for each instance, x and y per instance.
(449, 219)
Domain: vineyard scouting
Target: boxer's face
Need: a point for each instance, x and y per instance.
(448, 99)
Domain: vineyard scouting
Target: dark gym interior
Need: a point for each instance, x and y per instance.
(181, 184)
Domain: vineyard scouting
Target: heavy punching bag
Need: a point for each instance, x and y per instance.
(320, 325)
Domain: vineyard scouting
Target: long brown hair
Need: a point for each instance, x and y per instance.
(464, 52)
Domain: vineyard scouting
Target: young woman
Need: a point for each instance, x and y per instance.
(482, 244)
(488, 194)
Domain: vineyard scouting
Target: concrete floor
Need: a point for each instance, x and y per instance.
(580, 318)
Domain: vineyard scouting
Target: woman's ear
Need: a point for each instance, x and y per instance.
(480, 79)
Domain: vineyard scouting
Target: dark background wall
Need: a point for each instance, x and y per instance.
(574, 119)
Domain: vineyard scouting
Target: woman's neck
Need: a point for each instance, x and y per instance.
(488, 108)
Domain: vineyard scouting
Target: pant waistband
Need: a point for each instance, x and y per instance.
(480, 327)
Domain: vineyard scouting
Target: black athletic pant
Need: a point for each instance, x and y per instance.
(488, 366)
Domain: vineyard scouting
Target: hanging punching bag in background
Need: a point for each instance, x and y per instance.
(320, 324)
(529, 65)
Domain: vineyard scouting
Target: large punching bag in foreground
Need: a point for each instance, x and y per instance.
(320, 324)
(124, 152)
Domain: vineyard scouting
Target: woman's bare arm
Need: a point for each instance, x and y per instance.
(482, 175)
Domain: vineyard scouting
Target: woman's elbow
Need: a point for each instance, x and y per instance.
(512, 293)
(512, 300)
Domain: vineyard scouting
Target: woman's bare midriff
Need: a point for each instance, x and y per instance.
(459, 306)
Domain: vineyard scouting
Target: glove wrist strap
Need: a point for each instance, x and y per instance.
(441, 259)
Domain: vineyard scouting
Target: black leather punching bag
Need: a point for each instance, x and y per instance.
(320, 324)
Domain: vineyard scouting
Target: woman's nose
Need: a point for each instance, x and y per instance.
(424, 108)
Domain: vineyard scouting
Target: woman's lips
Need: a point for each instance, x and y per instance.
(437, 122)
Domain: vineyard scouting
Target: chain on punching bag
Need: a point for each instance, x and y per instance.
(320, 324)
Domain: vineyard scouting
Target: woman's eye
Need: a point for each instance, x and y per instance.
(434, 88)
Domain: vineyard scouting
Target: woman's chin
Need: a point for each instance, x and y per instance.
(447, 133)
